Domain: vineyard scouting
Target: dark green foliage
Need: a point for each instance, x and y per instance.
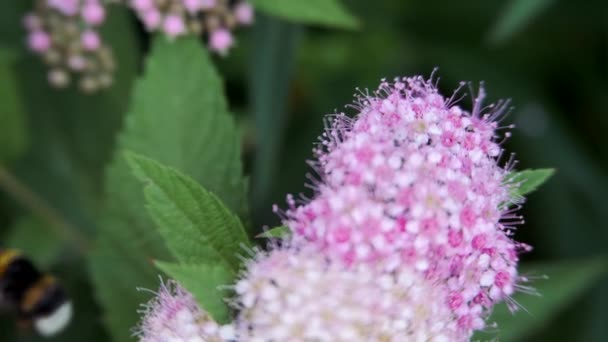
(13, 133)
(557, 285)
(269, 79)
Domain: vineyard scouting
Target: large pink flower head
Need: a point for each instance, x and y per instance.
(298, 294)
(174, 315)
(213, 18)
(415, 178)
(64, 33)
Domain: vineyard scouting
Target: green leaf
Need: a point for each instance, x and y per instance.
(517, 15)
(194, 223)
(179, 117)
(528, 180)
(13, 133)
(276, 232)
(565, 282)
(321, 12)
(11, 23)
(36, 240)
(203, 281)
(271, 71)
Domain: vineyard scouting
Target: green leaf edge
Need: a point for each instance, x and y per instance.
(134, 160)
(279, 232)
(526, 185)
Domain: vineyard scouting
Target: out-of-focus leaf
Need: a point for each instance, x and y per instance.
(36, 240)
(11, 27)
(179, 117)
(194, 223)
(13, 133)
(529, 180)
(269, 80)
(203, 281)
(276, 232)
(515, 17)
(565, 282)
(321, 12)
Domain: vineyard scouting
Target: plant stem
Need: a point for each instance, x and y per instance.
(31, 201)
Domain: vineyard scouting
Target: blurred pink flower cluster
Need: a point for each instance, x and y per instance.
(214, 18)
(65, 33)
(407, 236)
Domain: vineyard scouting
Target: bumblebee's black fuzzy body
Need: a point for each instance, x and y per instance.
(32, 295)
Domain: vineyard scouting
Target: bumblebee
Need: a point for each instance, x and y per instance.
(35, 297)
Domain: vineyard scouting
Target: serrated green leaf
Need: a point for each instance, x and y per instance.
(204, 282)
(276, 232)
(321, 12)
(565, 282)
(13, 133)
(179, 117)
(528, 180)
(195, 224)
(516, 17)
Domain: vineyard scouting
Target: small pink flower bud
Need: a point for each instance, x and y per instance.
(221, 40)
(66, 7)
(93, 13)
(39, 41)
(192, 6)
(152, 19)
(77, 63)
(173, 25)
(90, 40)
(243, 12)
(32, 22)
(208, 4)
(143, 5)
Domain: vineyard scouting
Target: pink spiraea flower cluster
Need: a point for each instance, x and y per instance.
(66, 33)
(298, 293)
(175, 307)
(214, 18)
(415, 179)
(407, 236)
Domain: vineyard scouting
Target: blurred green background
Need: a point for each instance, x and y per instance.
(549, 56)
